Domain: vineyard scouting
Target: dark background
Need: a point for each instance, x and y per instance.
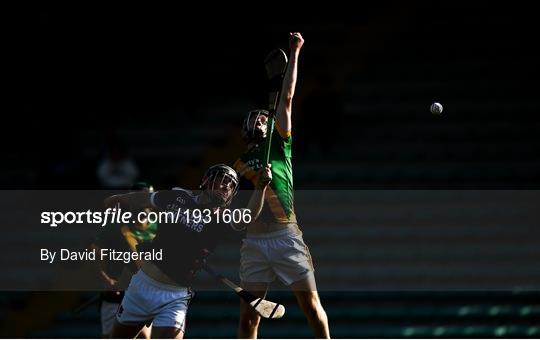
(169, 88)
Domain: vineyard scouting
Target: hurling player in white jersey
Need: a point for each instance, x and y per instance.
(159, 293)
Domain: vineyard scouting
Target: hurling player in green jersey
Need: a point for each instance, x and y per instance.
(115, 276)
(273, 246)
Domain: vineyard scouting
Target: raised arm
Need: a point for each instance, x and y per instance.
(256, 201)
(284, 108)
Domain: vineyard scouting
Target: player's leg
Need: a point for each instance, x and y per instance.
(132, 314)
(170, 322)
(126, 331)
(249, 319)
(291, 261)
(306, 294)
(145, 332)
(167, 333)
(108, 315)
(162, 304)
(170, 304)
(255, 276)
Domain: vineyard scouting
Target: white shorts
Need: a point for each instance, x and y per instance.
(282, 254)
(149, 300)
(108, 311)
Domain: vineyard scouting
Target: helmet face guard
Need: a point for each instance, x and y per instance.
(215, 178)
(249, 130)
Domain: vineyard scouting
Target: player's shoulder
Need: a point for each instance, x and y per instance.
(187, 194)
(281, 135)
(184, 191)
(173, 198)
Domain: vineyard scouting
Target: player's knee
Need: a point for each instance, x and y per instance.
(312, 307)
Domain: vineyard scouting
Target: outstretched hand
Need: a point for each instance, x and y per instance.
(295, 41)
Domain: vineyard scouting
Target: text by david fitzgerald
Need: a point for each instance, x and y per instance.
(103, 254)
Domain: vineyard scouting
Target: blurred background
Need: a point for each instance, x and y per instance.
(103, 97)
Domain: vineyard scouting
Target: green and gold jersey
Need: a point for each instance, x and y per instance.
(147, 234)
(279, 198)
(135, 236)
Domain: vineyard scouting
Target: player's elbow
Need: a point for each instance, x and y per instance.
(286, 98)
(110, 201)
(117, 200)
(289, 97)
(285, 108)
